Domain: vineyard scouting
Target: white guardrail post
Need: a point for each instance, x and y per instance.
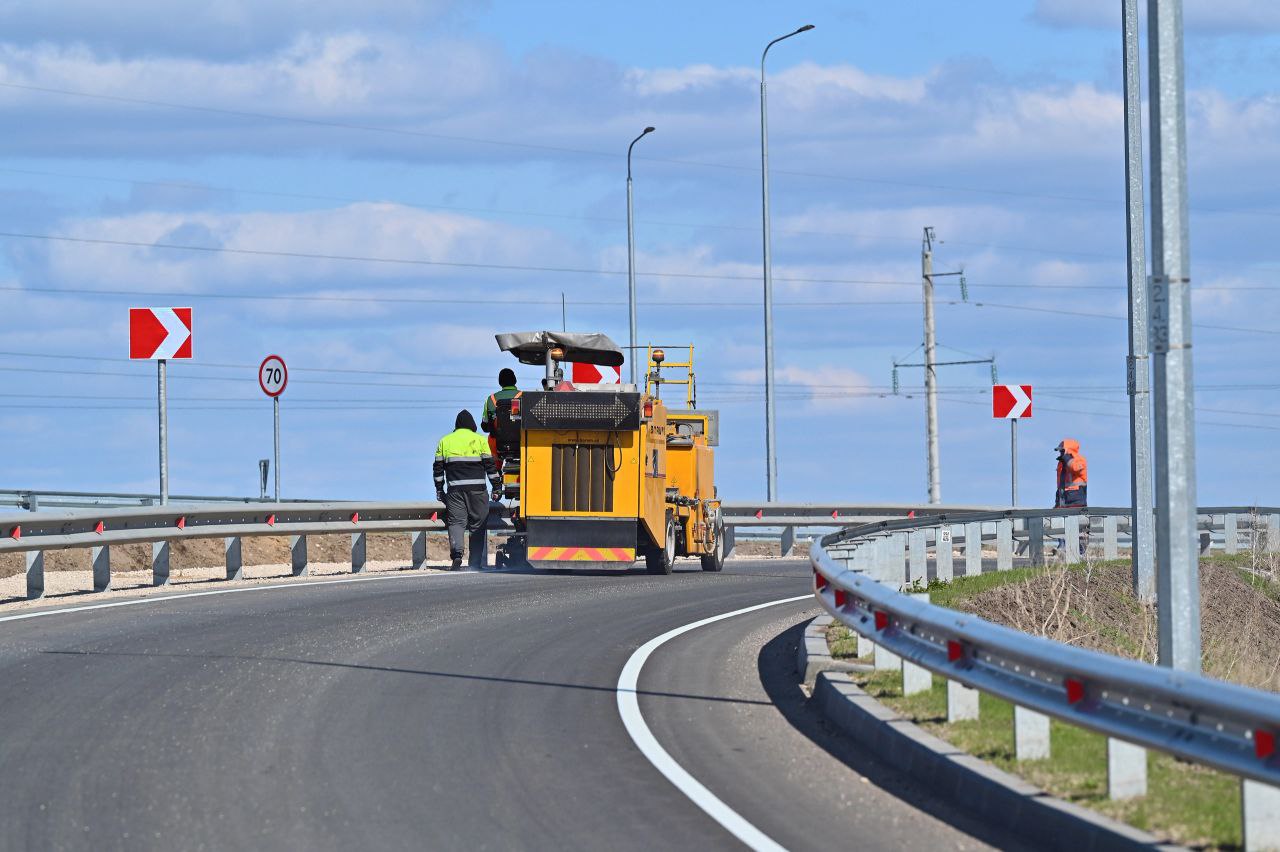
(1136, 705)
(235, 558)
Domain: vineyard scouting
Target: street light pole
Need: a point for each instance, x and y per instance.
(1177, 550)
(771, 463)
(1139, 366)
(631, 260)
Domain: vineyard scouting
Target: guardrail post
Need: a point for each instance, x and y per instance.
(788, 541)
(159, 563)
(919, 561)
(728, 540)
(1071, 539)
(298, 555)
(962, 702)
(101, 558)
(1004, 544)
(235, 560)
(358, 551)
(885, 660)
(973, 549)
(1126, 770)
(1230, 533)
(418, 543)
(896, 547)
(1110, 537)
(1030, 734)
(916, 679)
(35, 574)
(1260, 815)
(1035, 539)
(942, 558)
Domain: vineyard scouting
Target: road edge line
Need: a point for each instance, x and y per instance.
(296, 584)
(642, 736)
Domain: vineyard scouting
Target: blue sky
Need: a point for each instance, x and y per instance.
(412, 135)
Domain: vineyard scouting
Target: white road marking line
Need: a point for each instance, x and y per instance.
(629, 710)
(158, 598)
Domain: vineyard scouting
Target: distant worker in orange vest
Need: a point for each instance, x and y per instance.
(1073, 475)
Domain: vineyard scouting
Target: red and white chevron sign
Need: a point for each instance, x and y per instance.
(593, 374)
(159, 333)
(1010, 402)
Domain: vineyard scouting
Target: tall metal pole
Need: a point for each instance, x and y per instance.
(1139, 364)
(162, 394)
(631, 263)
(276, 405)
(930, 370)
(771, 456)
(1013, 461)
(1177, 554)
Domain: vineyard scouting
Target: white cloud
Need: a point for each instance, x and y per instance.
(196, 27)
(357, 230)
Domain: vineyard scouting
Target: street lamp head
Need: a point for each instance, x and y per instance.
(647, 130)
(805, 28)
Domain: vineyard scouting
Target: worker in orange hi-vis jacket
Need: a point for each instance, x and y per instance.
(1073, 475)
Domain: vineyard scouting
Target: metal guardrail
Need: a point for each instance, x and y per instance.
(36, 532)
(32, 500)
(1228, 727)
(104, 526)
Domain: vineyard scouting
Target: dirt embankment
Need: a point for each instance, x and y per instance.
(256, 550)
(1094, 607)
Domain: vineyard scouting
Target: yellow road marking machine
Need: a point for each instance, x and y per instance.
(606, 473)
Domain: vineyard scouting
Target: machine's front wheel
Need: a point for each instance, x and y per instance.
(714, 560)
(661, 560)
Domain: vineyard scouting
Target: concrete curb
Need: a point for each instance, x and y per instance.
(813, 656)
(981, 789)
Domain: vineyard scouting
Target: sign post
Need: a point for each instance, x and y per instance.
(158, 334)
(1011, 402)
(273, 376)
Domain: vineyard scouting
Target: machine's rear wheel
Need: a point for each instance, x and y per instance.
(661, 560)
(714, 560)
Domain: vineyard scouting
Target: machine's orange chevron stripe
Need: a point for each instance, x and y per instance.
(583, 554)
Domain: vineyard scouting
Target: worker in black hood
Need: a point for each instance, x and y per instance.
(464, 473)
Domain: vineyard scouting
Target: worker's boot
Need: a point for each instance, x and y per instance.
(456, 564)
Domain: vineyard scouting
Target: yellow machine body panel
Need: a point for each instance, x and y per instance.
(593, 495)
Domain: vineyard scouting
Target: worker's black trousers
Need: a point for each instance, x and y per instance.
(469, 510)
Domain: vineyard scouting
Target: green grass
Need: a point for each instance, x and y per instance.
(1185, 803)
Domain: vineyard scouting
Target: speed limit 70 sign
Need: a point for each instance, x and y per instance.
(273, 375)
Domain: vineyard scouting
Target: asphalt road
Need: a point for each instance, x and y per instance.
(465, 711)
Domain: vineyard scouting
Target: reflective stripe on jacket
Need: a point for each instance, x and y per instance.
(490, 410)
(463, 462)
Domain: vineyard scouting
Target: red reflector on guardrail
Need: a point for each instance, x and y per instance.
(1264, 743)
(435, 516)
(181, 523)
(841, 598)
(819, 581)
(271, 520)
(355, 517)
(955, 650)
(1075, 690)
(882, 620)
(100, 527)
(16, 532)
